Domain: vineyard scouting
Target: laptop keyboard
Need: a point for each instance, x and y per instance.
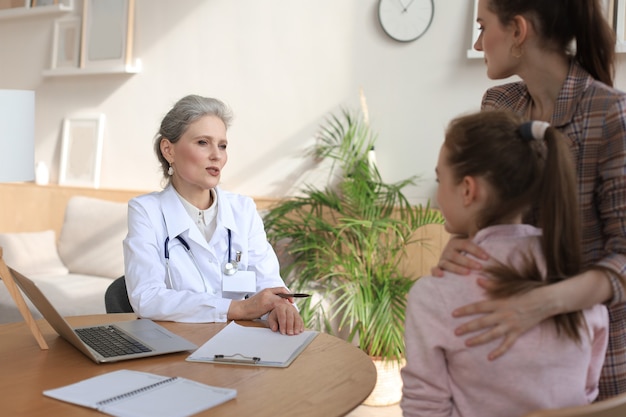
(109, 341)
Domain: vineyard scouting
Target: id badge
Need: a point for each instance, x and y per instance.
(242, 281)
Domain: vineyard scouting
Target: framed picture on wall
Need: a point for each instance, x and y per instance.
(107, 33)
(620, 22)
(66, 43)
(37, 3)
(81, 151)
(471, 52)
(475, 31)
(11, 4)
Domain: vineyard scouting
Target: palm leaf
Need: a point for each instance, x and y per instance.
(347, 241)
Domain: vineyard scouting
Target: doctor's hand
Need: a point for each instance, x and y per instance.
(283, 315)
(286, 319)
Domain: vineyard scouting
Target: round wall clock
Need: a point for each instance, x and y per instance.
(405, 20)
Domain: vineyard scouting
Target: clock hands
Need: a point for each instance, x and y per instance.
(406, 8)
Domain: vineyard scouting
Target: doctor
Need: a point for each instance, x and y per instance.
(196, 253)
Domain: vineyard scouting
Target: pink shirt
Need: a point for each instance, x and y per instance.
(443, 377)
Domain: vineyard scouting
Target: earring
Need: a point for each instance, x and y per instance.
(170, 170)
(517, 51)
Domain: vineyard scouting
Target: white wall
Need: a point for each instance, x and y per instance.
(282, 65)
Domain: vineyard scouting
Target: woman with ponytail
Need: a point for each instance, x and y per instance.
(492, 169)
(563, 51)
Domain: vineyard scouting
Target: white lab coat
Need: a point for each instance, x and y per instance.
(155, 216)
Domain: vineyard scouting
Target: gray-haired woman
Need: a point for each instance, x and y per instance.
(196, 253)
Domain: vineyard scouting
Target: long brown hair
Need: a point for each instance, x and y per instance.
(525, 170)
(559, 22)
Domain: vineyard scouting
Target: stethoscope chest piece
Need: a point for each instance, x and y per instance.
(232, 266)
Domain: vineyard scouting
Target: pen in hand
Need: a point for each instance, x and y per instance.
(296, 295)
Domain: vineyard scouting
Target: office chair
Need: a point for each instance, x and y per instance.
(612, 407)
(116, 297)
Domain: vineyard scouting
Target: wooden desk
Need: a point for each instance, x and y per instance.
(329, 378)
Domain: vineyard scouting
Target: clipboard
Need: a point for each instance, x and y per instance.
(256, 346)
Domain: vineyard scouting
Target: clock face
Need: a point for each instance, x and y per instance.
(405, 20)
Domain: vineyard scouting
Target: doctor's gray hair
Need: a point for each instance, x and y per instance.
(186, 111)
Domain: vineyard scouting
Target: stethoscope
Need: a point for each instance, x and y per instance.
(230, 267)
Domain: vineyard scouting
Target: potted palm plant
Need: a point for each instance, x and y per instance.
(347, 241)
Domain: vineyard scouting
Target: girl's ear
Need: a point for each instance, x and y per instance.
(469, 188)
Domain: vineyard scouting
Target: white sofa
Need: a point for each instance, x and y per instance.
(74, 270)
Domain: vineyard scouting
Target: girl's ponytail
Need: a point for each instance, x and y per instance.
(559, 216)
(556, 191)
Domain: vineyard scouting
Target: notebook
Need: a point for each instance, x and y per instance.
(144, 337)
(259, 346)
(128, 393)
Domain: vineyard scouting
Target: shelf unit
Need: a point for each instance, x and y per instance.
(134, 68)
(64, 7)
(26, 12)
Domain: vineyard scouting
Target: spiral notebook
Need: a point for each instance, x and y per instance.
(128, 393)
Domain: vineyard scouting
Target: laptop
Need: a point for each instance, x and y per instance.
(139, 338)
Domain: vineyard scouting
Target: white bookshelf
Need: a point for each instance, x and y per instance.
(27, 12)
(135, 68)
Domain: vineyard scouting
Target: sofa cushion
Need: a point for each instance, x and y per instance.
(91, 237)
(70, 294)
(33, 253)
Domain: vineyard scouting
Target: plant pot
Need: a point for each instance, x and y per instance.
(388, 388)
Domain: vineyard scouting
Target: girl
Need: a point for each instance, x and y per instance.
(492, 169)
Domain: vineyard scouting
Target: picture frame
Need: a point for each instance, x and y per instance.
(13, 4)
(471, 52)
(38, 3)
(620, 22)
(475, 32)
(81, 151)
(107, 33)
(66, 43)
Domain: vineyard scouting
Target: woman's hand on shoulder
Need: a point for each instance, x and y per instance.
(454, 257)
(506, 318)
